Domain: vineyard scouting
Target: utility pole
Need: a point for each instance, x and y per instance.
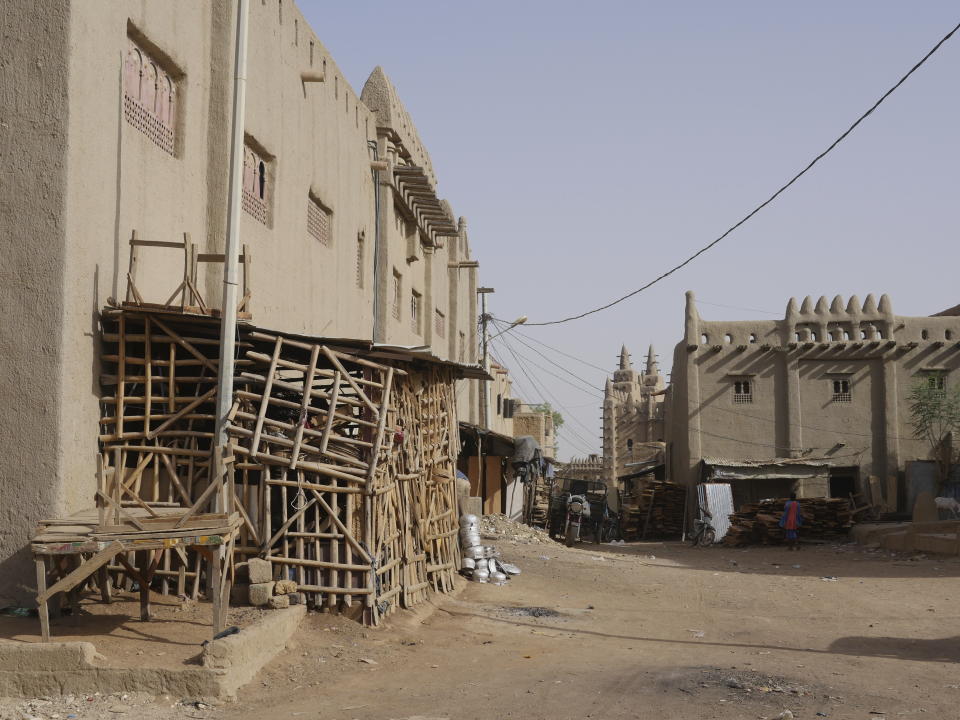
(228, 308)
(485, 351)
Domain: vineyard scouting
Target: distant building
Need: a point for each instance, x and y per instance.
(529, 420)
(817, 401)
(633, 418)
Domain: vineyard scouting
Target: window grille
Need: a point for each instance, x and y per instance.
(415, 304)
(360, 243)
(397, 294)
(149, 98)
(319, 222)
(254, 196)
(935, 380)
(742, 391)
(841, 391)
(440, 324)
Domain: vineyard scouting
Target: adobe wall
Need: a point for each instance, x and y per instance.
(34, 114)
(792, 366)
(89, 178)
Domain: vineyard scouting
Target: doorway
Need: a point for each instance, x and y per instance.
(843, 482)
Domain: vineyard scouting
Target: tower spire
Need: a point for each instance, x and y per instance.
(651, 361)
(624, 358)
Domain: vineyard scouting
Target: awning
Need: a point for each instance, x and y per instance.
(492, 443)
(773, 469)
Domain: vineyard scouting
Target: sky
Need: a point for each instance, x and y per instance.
(592, 146)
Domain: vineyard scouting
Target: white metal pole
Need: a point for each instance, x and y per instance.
(485, 320)
(228, 309)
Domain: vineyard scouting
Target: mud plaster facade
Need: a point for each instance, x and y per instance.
(633, 417)
(88, 177)
(501, 400)
(831, 380)
(538, 425)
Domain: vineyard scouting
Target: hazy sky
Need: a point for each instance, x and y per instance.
(593, 145)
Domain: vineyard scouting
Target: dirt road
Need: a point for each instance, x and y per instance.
(644, 631)
(649, 631)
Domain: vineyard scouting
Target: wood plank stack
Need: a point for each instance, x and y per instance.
(758, 523)
(654, 510)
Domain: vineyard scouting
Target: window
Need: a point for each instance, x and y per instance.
(440, 323)
(924, 335)
(499, 404)
(934, 379)
(742, 391)
(753, 337)
(397, 294)
(255, 184)
(841, 391)
(319, 221)
(361, 240)
(149, 97)
(416, 302)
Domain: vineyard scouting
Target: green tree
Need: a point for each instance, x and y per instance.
(548, 408)
(935, 416)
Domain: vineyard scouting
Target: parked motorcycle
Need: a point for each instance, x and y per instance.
(578, 511)
(703, 533)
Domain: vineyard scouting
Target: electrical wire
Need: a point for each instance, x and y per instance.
(766, 202)
(595, 392)
(514, 331)
(554, 363)
(544, 393)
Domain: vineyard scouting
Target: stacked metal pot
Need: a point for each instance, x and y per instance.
(480, 561)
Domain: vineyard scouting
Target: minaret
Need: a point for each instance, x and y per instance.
(625, 358)
(651, 368)
(609, 433)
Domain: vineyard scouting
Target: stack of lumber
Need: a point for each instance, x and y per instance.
(655, 510)
(759, 522)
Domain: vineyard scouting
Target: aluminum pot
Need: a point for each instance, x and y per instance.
(468, 564)
(469, 520)
(481, 575)
(470, 539)
(498, 578)
(474, 553)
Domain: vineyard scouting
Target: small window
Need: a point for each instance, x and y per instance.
(728, 338)
(629, 443)
(361, 241)
(416, 304)
(499, 404)
(742, 391)
(948, 335)
(934, 379)
(149, 97)
(255, 185)
(397, 294)
(846, 335)
(813, 336)
(319, 221)
(440, 323)
(841, 391)
(705, 339)
(924, 335)
(753, 337)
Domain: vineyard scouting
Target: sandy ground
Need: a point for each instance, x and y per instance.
(648, 630)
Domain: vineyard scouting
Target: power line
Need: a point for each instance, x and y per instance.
(544, 393)
(552, 362)
(593, 391)
(766, 202)
(514, 331)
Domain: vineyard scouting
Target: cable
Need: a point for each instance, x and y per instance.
(555, 364)
(766, 202)
(543, 393)
(593, 391)
(548, 347)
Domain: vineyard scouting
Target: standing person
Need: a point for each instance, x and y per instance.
(791, 521)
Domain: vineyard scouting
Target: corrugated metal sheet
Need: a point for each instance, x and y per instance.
(718, 499)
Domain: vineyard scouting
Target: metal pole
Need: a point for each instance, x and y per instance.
(228, 309)
(485, 386)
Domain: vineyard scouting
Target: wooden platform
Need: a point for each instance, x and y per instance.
(71, 549)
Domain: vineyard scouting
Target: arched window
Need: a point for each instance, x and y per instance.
(705, 339)
(728, 338)
(149, 90)
(131, 73)
(924, 335)
(753, 337)
(948, 335)
(813, 335)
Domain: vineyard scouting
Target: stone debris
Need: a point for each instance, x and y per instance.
(500, 527)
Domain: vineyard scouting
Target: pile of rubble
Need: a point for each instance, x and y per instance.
(500, 527)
